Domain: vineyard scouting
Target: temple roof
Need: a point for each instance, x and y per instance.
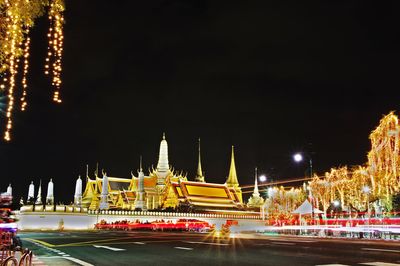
(206, 194)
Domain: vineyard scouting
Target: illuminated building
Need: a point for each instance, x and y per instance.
(162, 188)
(255, 201)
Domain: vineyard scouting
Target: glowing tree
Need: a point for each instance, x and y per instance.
(281, 202)
(17, 17)
(339, 179)
(321, 191)
(383, 160)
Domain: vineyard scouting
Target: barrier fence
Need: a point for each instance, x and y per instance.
(12, 255)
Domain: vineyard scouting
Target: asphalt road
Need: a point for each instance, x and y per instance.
(165, 248)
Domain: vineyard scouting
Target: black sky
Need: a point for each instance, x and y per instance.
(269, 77)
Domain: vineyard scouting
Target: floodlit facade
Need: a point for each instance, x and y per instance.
(162, 188)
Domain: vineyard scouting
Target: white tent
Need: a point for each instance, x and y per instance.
(306, 208)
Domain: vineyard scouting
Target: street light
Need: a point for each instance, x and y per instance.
(336, 203)
(263, 178)
(298, 157)
(366, 189)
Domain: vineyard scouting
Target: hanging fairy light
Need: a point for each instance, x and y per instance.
(19, 16)
(12, 35)
(55, 47)
(25, 71)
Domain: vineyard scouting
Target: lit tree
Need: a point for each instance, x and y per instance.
(16, 20)
(383, 160)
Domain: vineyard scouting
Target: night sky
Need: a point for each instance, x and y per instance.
(269, 77)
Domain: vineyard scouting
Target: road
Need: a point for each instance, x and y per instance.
(170, 248)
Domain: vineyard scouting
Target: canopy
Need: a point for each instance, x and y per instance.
(306, 208)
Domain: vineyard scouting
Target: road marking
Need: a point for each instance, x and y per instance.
(378, 249)
(109, 248)
(40, 242)
(380, 264)
(139, 243)
(78, 261)
(183, 248)
(206, 243)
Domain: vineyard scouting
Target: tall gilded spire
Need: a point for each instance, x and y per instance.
(199, 175)
(232, 180)
(256, 193)
(163, 165)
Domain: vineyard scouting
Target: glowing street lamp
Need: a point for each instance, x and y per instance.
(262, 178)
(366, 189)
(298, 157)
(336, 203)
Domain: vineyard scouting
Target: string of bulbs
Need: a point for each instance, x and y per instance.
(17, 45)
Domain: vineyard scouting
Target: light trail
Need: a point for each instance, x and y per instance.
(276, 183)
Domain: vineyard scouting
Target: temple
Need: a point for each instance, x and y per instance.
(255, 201)
(161, 188)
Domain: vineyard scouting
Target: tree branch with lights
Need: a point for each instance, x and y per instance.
(17, 17)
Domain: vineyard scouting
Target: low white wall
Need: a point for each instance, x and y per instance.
(83, 221)
(53, 221)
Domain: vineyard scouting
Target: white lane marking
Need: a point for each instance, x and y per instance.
(206, 243)
(378, 249)
(184, 248)
(139, 243)
(380, 264)
(283, 243)
(78, 261)
(109, 248)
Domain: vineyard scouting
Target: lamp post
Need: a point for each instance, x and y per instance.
(367, 190)
(298, 157)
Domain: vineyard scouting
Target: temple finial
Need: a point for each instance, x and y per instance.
(140, 164)
(87, 170)
(97, 169)
(232, 178)
(256, 184)
(163, 135)
(199, 175)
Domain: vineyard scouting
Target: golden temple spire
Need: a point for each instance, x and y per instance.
(256, 193)
(232, 180)
(140, 164)
(199, 175)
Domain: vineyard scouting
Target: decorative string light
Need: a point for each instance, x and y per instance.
(55, 47)
(12, 35)
(25, 71)
(19, 16)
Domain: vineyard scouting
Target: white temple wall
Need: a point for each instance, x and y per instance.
(54, 221)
